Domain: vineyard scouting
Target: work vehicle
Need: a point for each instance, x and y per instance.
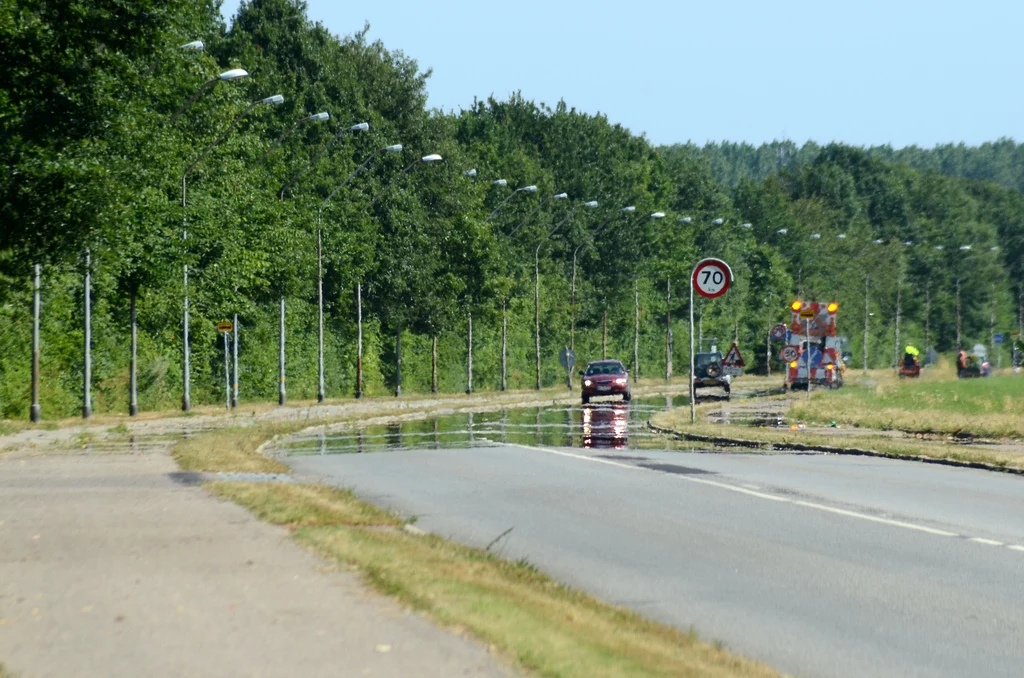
(708, 372)
(910, 366)
(812, 352)
(605, 378)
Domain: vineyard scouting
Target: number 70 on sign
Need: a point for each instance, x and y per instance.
(711, 278)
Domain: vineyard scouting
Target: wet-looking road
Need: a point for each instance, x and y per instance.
(817, 564)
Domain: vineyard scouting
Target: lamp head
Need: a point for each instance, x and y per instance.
(195, 45)
(938, 247)
(841, 236)
(393, 148)
(964, 248)
(469, 173)
(816, 236)
(233, 74)
(433, 157)
(560, 196)
(657, 215)
(499, 182)
(686, 220)
(908, 243)
(877, 242)
(630, 208)
(275, 100)
(529, 189)
(718, 222)
(590, 203)
(782, 231)
(360, 127)
(745, 225)
(317, 117)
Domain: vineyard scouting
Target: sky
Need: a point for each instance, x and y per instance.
(863, 72)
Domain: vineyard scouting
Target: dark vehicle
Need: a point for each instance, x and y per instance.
(606, 426)
(708, 372)
(605, 378)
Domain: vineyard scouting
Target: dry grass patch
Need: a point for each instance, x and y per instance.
(543, 626)
(232, 449)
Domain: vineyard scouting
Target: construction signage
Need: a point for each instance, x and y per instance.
(733, 361)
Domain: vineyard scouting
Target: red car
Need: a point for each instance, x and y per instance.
(605, 378)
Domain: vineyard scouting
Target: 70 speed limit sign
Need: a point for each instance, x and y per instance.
(711, 278)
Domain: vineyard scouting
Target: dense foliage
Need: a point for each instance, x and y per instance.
(93, 152)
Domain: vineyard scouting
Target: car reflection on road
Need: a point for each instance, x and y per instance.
(606, 425)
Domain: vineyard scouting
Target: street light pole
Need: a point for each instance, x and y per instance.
(36, 413)
(235, 74)
(87, 372)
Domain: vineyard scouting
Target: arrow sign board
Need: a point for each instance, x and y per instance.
(807, 313)
(779, 332)
(711, 278)
(223, 327)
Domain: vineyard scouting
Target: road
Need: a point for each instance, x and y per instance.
(818, 565)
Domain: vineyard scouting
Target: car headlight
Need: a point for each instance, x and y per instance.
(621, 381)
(586, 382)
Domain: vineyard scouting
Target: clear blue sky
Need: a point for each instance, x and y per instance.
(858, 71)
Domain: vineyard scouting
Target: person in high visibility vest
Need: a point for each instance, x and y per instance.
(910, 357)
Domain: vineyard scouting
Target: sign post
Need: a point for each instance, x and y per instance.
(567, 357)
(711, 278)
(225, 330)
(807, 314)
(999, 350)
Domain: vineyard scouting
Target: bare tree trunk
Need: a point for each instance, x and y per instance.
(504, 347)
(133, 382)
(469, 353)
(604, 336)
(359, 341)
(398, 362)
(668, 330)
(433, 364)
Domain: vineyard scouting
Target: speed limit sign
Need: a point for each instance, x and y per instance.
(711, 278)
(790, 353)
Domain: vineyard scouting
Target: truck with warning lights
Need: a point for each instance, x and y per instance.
(812, 351)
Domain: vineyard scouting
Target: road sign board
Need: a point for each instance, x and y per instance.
(779, 332)
(711, 278)
(567, 358)
(998, 338)
(733, 371)
(224, 327)
(790, 353)
(807, 313)
(733, 357)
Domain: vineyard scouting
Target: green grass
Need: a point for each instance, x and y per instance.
(938, 403)
(541, 626)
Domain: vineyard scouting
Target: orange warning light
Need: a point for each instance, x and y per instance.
(833, 307)
(796, 305)
(793, 364)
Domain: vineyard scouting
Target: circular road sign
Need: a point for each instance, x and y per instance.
(711, 278)
(790, 353)
(998, 338)
(779, 332)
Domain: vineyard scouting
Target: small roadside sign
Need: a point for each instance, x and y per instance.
(998, 338)
(224, 327)
(779, 332)
(567, 358)
(711, 278)
(807, 313)
(790, 353)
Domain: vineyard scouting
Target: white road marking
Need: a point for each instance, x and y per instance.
(770, 497)
(987, 542)
(1015, 547)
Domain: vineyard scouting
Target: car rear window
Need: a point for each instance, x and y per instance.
(605, 368)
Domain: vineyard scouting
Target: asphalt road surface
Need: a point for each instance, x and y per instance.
(818, 565)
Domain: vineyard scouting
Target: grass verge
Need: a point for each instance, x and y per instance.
(678, 421)
(990, 408)
(233, 449)
(539, 624)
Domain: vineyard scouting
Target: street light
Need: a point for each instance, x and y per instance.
(394, 148)
(226, 76)
(590, 204)
(186, 397)
(525, 189)
(636, 307)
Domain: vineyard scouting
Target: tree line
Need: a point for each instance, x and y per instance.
(114, 148)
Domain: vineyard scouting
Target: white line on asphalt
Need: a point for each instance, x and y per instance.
(1015, 547)
(987, 542)
(759, 495)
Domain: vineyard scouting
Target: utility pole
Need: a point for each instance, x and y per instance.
(469, 353)
(87, 372)
(899, 300)
(37, 411)
(668, 330)
(959, 343)
(866, 315)
(636, 331)
(359, 340)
